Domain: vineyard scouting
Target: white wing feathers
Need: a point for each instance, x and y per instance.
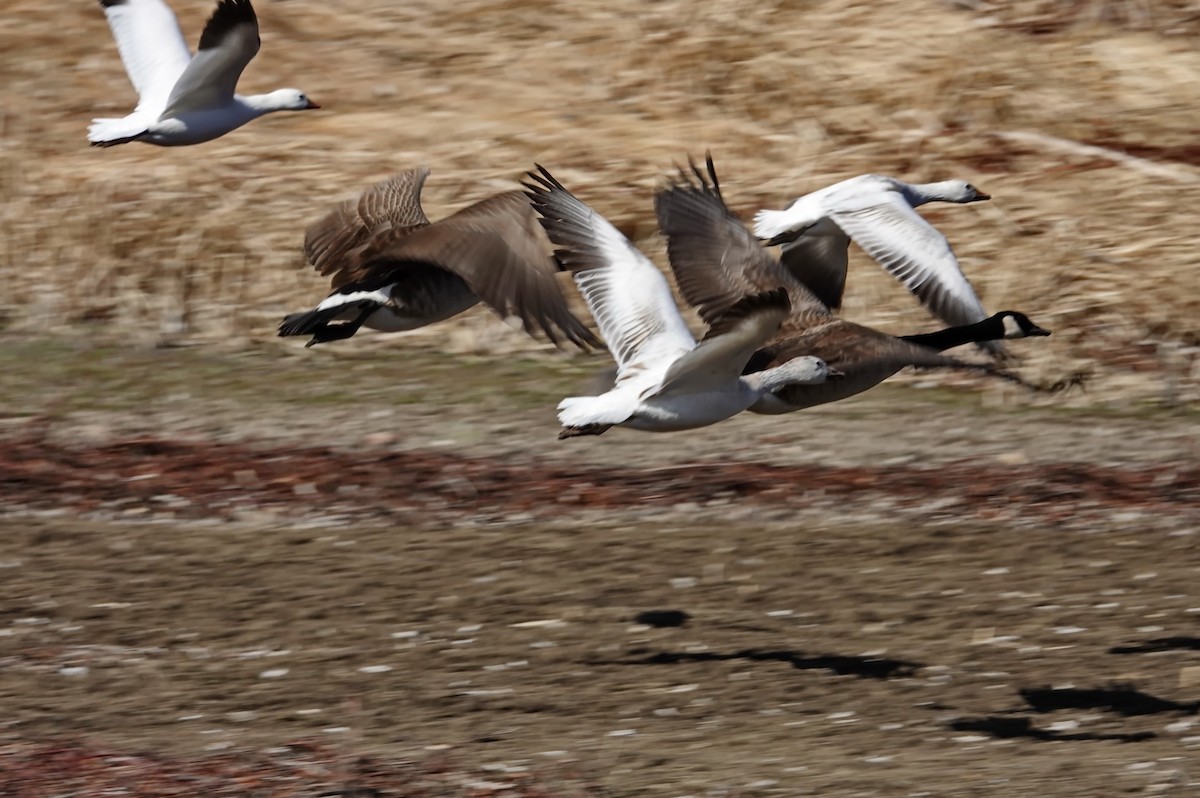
(913, 251)
(718, 360)
(629, 298)
(632, 303)
(152, 48)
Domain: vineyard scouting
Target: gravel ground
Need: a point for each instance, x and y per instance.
(914, 593)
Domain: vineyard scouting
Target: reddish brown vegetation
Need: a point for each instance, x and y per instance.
(197, 479)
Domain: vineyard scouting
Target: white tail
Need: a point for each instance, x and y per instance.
(106, 132)
(580, 411)
(768, 224)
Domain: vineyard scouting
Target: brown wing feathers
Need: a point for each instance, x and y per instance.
(391, 204)
(510, 269)
(715, 259)
(496, 246)
(775, 300)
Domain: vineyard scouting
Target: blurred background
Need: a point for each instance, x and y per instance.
(229, 557)
(1078, 117)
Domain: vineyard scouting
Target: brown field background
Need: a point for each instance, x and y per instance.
(1079, 118)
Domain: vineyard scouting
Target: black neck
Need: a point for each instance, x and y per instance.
(957, 336)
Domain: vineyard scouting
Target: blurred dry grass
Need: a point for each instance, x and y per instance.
(1079, 118)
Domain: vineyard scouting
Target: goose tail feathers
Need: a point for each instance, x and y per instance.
(111, 132)
(584, 415)
(773, 227)
(318, 322)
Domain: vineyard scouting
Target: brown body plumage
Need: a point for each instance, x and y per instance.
(392, 269)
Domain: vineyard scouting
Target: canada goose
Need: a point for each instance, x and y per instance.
(717, 261)
(394, 270)
(877, 213)
(184, 99)
(665, 380)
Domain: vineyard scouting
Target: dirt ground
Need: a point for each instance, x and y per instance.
(233, 567)
(211, 587)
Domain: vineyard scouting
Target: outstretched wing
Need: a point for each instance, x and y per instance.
(630, 299)
(819, 261)
(914, 252)
(717, 262)
(497, 249)
(151, 47)
(229, 41)
(393, 204)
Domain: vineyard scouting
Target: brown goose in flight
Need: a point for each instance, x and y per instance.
(393, 270)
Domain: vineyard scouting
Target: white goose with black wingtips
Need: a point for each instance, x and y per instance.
(879, 214)
(185, 99)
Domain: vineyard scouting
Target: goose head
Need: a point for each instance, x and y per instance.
(804, 370)
(961, 191)
(809, 370)
(1018, 325)
(289, 100)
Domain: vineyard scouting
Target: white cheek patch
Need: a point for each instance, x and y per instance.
(1012, 329)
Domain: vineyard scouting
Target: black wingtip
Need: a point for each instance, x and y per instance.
(229, 15)
(301, 323)
(544, 182)
(115, 142)
(111, 3)
(707, 180)
(702, 181)
(712, 173)
(782, 238)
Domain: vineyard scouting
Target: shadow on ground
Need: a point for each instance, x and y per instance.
(842, 665)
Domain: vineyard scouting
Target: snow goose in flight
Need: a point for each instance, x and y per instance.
(717, 262)
(184, 99)
(665, 380)
(393, 270)
(877, 213)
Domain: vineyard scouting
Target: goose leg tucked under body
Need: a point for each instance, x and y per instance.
(665, 380)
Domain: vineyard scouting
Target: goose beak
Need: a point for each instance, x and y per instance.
(1035, 330)
(311, 104)
(834, 374)
(979, 195)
